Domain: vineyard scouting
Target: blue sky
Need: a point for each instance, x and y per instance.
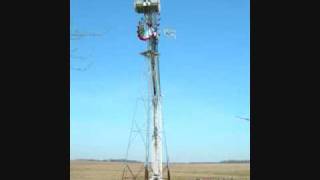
(205, 79)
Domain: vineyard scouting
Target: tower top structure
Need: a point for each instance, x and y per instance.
(147, 6)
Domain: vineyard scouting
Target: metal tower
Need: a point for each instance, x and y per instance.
(148, 31)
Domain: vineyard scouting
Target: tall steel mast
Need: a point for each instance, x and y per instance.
(153, 57)
(151, 9)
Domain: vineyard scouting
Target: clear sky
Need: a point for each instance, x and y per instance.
(205, 79)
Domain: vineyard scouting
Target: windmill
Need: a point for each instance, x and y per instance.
(148, 31)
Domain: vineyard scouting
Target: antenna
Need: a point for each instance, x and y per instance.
(247, 119)
(170, 33)
(77, 35)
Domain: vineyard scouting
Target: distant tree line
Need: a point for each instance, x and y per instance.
(109, 160)
(235, 161)
(221, 162)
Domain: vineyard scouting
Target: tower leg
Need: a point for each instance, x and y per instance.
(146, 173)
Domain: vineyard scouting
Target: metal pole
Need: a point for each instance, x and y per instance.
(156, 102)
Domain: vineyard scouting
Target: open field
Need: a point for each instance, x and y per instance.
(91, 170)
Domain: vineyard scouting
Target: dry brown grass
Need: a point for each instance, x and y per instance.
(87, 170)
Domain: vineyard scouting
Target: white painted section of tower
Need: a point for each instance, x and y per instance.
(157, 142)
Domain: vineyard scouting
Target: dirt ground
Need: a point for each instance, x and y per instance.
(91, 170)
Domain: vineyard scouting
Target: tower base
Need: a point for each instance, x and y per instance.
(155, 178)
(130, 174)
